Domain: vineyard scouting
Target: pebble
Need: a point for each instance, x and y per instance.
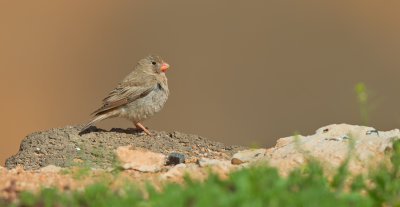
(175, 158)
(236, 161)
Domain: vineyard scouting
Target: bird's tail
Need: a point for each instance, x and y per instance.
(96, 119)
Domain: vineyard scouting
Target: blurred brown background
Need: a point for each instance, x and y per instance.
(241, 71)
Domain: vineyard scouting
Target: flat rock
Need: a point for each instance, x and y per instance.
(248, 155)
(140, 159)
(64, 147)
(177, 172)
(221, 167)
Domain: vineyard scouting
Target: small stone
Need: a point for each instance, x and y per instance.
(175, 158)
(194, 147)
(236, 161)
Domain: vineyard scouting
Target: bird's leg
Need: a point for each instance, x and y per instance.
(137, 124)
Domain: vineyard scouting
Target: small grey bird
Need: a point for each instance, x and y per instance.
(139, 96)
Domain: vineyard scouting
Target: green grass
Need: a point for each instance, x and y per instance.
(255, 186)
(362, 98)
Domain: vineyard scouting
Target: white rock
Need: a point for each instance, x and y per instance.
(217, 166)
(330, 145)
(250, 155)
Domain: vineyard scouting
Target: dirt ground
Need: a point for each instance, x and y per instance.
(94, 150)
(64, 146)
(63, 158)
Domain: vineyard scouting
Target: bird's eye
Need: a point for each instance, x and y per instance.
(154, 63)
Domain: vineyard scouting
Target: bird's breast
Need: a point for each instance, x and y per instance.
(146, 106)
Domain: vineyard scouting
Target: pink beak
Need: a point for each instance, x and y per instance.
(164, 66)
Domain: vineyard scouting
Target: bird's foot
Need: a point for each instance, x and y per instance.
(137, 124)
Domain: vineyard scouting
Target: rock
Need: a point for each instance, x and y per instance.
(50, 168)
(199, 170)
(175, 158)
(63, 146)
(220, 167)
(175, 172)
(248, 155)
(140, 159)
(330, 145)
(236, 161)
(178, 171)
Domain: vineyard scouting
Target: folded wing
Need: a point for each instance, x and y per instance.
(127, 92)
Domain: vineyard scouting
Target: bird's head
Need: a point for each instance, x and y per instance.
(153, 63)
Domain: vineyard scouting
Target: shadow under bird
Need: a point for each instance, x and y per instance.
(138, 96)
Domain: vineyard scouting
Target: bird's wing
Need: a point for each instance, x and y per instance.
(128, 91)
